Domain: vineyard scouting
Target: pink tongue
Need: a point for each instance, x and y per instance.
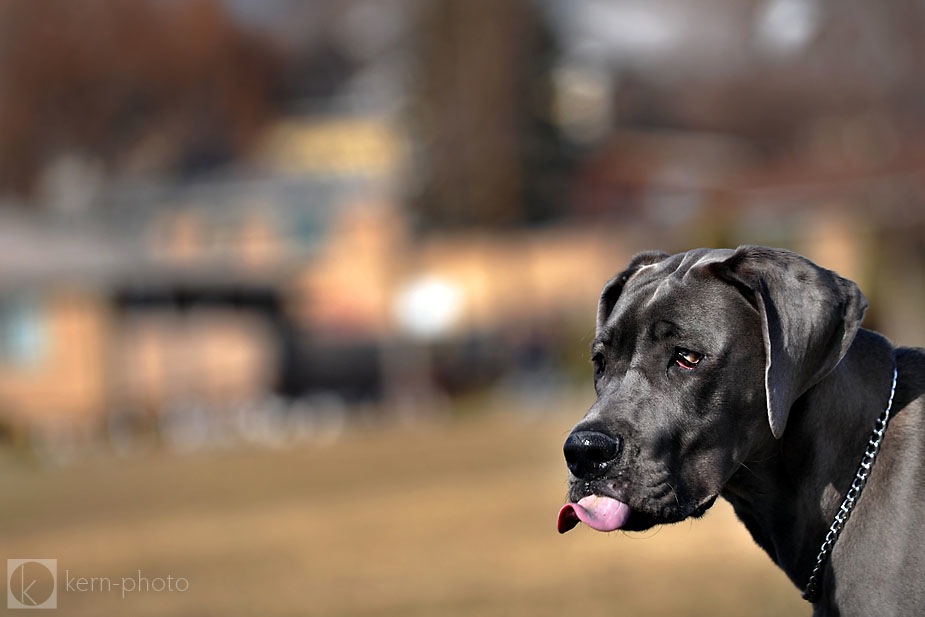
(595, 511)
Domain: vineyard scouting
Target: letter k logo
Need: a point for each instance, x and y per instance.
(32, 583)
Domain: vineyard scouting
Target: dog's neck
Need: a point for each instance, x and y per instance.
(788, 491)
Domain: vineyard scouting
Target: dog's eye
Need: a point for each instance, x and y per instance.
(687, 359)
(598, 362)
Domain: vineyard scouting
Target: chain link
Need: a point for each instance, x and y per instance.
(811, 592)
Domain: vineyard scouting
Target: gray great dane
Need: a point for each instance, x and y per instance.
(745, 374)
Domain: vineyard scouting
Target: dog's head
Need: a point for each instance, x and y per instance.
(698, 358)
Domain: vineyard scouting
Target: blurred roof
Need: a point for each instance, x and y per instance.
(39, 251)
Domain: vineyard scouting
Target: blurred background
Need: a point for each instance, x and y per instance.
(296, 296)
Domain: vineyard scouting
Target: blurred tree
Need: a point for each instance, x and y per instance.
(857, 58)
(142, 86)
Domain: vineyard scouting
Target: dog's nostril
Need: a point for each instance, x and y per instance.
(587, 453)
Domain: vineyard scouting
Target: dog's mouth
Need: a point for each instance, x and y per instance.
(605, 513)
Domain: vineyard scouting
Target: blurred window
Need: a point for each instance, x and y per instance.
(23, 335)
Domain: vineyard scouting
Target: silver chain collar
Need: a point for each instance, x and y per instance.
(811, 592)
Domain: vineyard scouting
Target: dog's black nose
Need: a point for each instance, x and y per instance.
(587, 453)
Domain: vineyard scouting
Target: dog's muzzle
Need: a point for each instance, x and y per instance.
(589, 455)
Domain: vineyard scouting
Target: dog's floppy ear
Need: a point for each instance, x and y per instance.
(614, 286)
(809, 317)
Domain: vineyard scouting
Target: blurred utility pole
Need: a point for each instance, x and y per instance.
(474, 86)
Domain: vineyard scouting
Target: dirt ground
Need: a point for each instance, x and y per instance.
(450, 518)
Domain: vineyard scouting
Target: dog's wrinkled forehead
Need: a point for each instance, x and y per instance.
(682, 263)
(651, 283)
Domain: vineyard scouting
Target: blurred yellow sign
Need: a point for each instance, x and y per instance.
(342, 146)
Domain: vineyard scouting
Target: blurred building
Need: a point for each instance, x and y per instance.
(345, 203)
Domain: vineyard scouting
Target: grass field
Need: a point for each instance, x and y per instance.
(445, 519)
